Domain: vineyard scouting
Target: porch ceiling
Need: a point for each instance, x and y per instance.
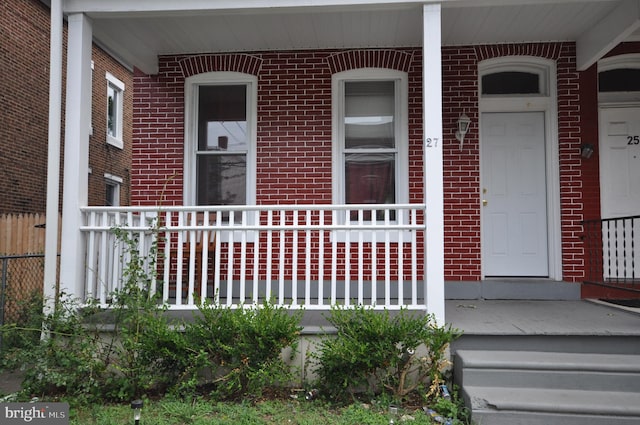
(139, 30)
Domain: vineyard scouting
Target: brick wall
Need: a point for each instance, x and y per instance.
(24, 111)
(24, 89)
(294, 135)
(103, 157)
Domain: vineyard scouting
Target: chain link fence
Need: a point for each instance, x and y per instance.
(21, 280)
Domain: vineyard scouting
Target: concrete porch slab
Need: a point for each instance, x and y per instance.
(526, 317)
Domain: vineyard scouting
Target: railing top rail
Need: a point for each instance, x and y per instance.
(261, 207)
(602, 220)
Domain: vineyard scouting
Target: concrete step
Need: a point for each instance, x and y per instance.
(569, 343)
(536, 388)
(526, 406)
(598, 372)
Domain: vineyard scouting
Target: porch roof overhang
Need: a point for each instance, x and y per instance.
(138, 31)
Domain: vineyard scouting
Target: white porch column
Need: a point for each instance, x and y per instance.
(76, 152)
(433, 181)
(53, 161)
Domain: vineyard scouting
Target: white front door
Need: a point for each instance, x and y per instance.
(620, 162)
(514, 197)
(620, 188)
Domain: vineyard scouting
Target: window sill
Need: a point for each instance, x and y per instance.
(118, 143)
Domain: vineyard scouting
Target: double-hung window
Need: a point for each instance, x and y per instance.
(115, 110)
(221, 139)
(370, 139)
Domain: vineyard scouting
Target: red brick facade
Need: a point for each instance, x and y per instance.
(294, 135)
(24, 111)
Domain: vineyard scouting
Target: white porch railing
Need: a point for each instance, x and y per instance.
(302, 256)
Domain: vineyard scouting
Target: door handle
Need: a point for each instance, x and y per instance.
(484, 202)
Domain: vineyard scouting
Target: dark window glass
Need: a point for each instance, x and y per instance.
(619, 80)
(511, 82)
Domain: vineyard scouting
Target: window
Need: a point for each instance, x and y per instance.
(619, 80)
(371, 138)
(506, 78)
(221, 135)
(511, 82)
(112, 195)
(115, 110)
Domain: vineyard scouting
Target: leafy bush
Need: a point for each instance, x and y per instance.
(377, 352)
(243, 347)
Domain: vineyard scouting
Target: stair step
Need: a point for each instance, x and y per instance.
(596, 372)
(499, 405)
(538, 360)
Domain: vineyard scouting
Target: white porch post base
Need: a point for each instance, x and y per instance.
(76, 153)
(433, 179)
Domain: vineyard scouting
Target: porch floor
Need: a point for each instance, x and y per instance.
(522, 317)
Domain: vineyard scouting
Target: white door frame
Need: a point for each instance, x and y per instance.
(549, 106)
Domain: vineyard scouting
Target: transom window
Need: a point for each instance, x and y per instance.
(505, 79)
(371, 146)
(619, 80)
(115, 110)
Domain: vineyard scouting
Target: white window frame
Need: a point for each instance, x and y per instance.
(401, 129)
(192, 85)
(118, 86)
(116, 183)
(526, 65)
(401, 133)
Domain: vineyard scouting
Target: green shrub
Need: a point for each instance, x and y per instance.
(376, 352)
(243, 347)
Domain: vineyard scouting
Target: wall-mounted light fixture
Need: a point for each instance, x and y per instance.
(463, 127)
(586, 150)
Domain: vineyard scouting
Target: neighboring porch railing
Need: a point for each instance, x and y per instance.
(302, 256)
(611, 252)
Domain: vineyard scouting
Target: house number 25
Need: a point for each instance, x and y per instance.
(633, 140)
(431, 143)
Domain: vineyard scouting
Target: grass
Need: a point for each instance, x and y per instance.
(294, 412)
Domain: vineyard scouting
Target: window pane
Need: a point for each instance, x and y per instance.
(511, 82)
(112, 195)
(369, 114)
(221, 179)
(222, 118)
(112, 111)
(370, 178)
(619, 80)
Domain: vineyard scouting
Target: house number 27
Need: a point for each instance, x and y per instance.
(633, 140)
(431, 143)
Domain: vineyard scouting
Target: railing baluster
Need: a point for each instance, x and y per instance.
(360, 258)
(374, 259)
(307, 263)
(387, 261)
(347, 261)
(168, 241)
(334, 259)
(414, 261)
(282, 259)
(256, 261)
(243, 259)
(321, 258)
(294, 260)
(230, 258)
(268, 277)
